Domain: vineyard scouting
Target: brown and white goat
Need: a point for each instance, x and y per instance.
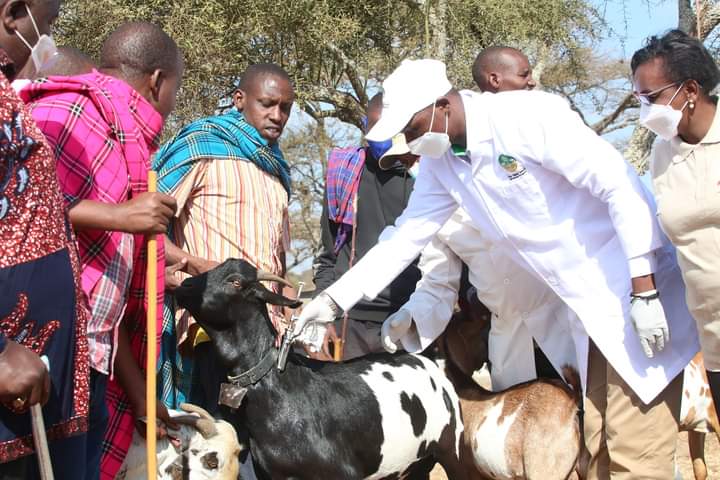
(529, 431)
(203, 449)
(697, 414)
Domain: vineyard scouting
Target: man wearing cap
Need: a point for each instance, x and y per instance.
(361, 199)
(529, 334)
(561, 203)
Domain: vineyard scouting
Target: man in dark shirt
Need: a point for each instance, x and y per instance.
(360, 201)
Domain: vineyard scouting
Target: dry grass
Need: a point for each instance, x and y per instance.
(712, 457)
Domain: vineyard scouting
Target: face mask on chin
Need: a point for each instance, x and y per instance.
(45, 51)
(663, 120)
(431, 144)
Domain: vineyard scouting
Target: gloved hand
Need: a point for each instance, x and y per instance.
(322, 309)
(395, 327)
(648, 317)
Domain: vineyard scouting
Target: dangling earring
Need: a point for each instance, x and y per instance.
(691, 104)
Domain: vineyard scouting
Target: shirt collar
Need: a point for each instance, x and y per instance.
(477, 120)
(712, 136)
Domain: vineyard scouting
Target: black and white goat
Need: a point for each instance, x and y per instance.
(382, 416)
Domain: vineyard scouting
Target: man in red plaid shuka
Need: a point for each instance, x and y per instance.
(104, 127)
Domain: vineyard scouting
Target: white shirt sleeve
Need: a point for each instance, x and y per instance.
(587, 161)
(433, 301)
(428, 209)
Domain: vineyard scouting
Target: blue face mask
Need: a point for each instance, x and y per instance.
(378, 149)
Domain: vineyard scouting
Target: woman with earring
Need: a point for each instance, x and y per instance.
(674, 76)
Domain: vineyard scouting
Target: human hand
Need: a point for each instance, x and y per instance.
(324, 354)
(24, 378)
(322, 309)
(147, 213)
(172, 279)
(164, 420)
(648, 317)
(198, 266)
(395, 327)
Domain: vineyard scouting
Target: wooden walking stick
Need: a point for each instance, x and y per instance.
(150, 372)
(338, 350)
(40, 437)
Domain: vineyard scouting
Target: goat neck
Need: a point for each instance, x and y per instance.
(249, 338)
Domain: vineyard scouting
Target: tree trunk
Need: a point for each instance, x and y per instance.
(641, 140)
(437, 23)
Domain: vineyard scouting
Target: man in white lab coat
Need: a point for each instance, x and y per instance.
(522, 306)
(564, 205)
(496, 279)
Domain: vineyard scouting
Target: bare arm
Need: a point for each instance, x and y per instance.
(147, 213)
(132, 380)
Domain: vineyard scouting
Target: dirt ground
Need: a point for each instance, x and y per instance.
(712, 457)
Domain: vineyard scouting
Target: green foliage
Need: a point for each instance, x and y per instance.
(333, 49)
(551, 28)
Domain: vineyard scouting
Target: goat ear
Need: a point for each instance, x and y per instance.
(273, 298)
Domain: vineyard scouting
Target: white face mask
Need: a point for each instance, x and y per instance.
(662, 119)
(44, 51)
(431, 144)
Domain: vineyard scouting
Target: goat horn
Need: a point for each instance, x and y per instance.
(192, 408)
(205, 426)
(266, 276)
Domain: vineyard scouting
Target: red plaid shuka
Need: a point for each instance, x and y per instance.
(104, 133)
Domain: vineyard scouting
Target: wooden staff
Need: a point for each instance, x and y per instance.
(40, 438)
(338, 351)
(150, 372)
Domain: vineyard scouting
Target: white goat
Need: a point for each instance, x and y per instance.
(205, 449)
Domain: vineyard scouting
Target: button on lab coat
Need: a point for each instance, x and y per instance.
(522, 305)
(560, 202)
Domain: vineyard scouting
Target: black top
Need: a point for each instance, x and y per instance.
(382, 197)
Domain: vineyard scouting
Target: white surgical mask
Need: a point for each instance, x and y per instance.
(44, 51)
(431, 144)
(662, 119)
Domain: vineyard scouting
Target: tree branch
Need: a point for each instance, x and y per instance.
(603, 124)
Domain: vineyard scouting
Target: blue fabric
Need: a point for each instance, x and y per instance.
(223, 137)
(171, 380)
(46, 321)
(378, 149)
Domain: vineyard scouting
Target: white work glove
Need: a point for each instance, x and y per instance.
(395, 327)
(648, 317)
(322, 309)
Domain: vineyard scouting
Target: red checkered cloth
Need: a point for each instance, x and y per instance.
(103, 133)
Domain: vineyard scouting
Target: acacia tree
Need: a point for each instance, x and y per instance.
(336, 51)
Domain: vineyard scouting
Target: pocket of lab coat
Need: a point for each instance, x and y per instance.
(524, 196)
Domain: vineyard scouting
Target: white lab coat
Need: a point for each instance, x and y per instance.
(523, 307)
(557, 200)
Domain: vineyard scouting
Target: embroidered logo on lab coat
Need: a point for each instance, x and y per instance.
(513, 168)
